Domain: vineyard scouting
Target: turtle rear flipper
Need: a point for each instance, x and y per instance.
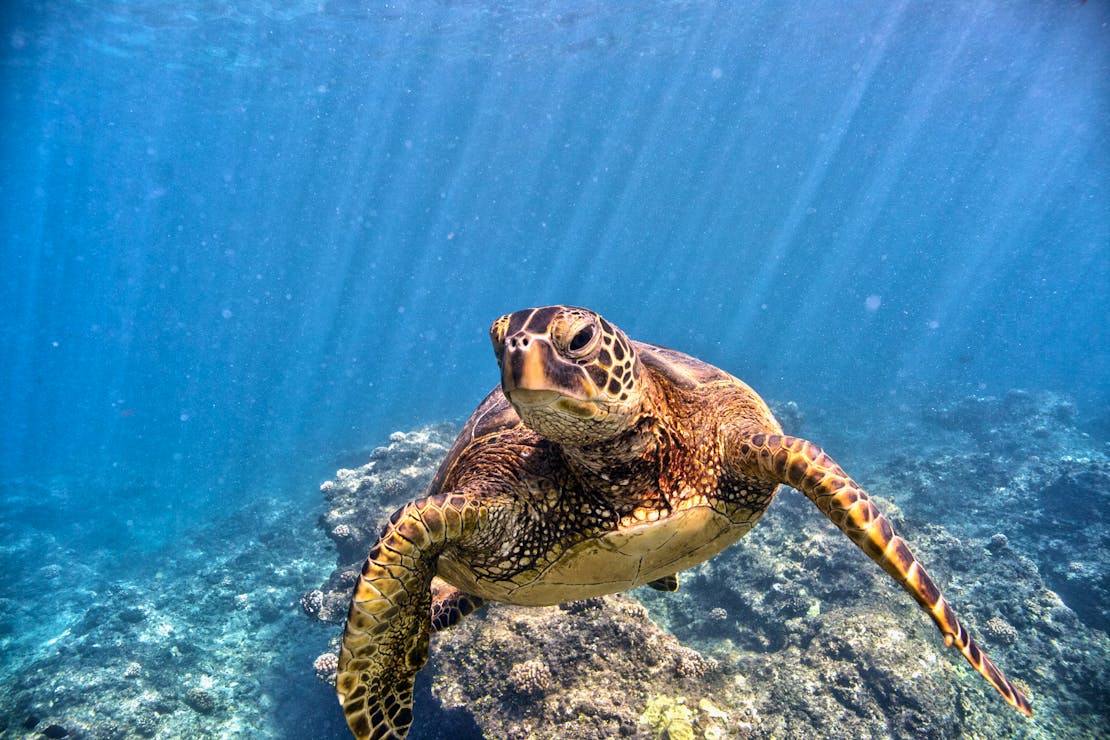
(805, 466)
(450, 604)
(666, 583)
(385, 641)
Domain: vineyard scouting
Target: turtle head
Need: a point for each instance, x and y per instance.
(571, 375)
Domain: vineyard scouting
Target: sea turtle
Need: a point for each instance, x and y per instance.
(599, 464)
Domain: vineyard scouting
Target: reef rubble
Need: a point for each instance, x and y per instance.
(793, 632)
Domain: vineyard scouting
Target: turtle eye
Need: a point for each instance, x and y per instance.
(581, 340)
(497, 334)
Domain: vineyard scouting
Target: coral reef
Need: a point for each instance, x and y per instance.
(326, 665)
(1027, 478)
(530, 678)
(1015, 425)
(207, 641)
(793, 632)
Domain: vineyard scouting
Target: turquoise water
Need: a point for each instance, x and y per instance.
(244, 241)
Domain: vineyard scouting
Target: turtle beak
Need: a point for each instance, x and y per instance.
(532, 399)
(524, 364)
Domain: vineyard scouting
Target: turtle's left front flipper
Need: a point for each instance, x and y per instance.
(805, 466)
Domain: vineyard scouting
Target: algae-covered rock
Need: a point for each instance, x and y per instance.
(604, 662)
(669, 718)
(674, 718)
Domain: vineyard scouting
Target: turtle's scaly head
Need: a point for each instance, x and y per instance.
(571, 375)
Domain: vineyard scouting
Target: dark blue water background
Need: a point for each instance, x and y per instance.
(243, 239)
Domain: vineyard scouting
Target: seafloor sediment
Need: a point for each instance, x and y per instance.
(790, 633)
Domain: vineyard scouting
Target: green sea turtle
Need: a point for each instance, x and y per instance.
(598, 465)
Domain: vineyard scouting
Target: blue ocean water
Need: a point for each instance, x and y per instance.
(243, 242)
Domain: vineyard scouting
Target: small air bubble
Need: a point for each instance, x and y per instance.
(226, 313)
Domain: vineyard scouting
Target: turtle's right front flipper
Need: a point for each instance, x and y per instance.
(385, 641)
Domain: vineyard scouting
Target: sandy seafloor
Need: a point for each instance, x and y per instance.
(791, 632)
